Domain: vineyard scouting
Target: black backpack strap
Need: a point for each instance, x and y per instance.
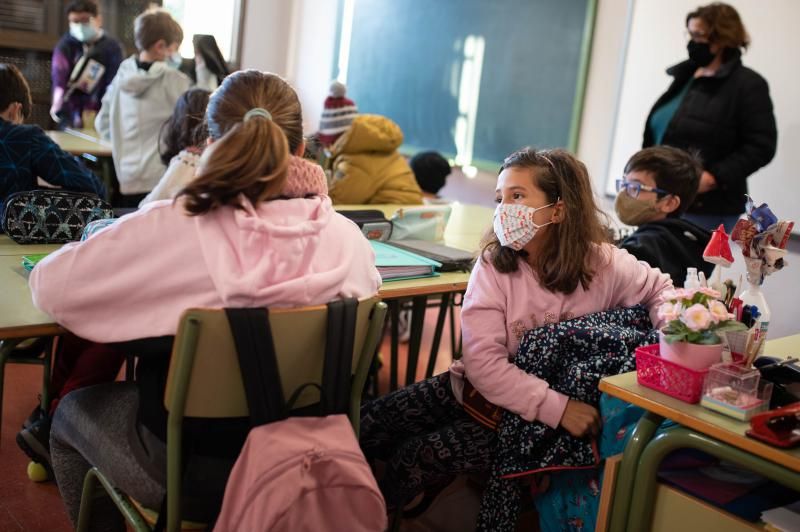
(252, 335)
(337, 367)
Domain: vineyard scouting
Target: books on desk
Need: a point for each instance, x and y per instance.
(29, 261)
(395, 264)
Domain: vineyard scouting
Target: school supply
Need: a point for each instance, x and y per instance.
(29, 261)
(785, 518)
(780, 427)
(372, 222)
(395, 264)
(784, 374)
(51, 216)
(452, 259)
(299, 473)
(421, 223)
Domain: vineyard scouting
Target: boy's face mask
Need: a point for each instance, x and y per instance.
(174, 60)
(632, 211)
(83, 31)
(514, 226)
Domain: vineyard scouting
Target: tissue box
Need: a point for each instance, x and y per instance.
(735, 391)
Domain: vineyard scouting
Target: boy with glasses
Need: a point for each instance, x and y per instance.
(659, 184)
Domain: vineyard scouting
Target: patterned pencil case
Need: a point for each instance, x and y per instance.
(51, 216)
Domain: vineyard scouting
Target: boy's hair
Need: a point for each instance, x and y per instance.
(14, 88)
(724, 25)
(83, 6)
(674, 170)
(249, 157)
(431, 170)
(186, 126)
(567, 258)
(154, 25)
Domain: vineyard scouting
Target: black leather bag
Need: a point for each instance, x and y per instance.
(51, 216)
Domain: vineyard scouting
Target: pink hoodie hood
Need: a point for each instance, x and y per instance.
(265, 253)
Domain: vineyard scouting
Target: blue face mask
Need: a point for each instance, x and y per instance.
(84, 32)
(175, 60)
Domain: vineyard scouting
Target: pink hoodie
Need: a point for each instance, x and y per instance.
(134, 278)
(499, 308)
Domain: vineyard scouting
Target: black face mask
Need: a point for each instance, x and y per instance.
(700, 53)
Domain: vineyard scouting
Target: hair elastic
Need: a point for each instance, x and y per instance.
(257, 111)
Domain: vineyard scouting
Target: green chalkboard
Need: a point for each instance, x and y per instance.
(479, 78)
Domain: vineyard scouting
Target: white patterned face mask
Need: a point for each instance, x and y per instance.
(514, 226)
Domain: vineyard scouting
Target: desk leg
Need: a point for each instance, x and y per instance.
(394, 316)
(6, 348)
(444, 305)
(644, 491)
(418, 308)
(640, 437)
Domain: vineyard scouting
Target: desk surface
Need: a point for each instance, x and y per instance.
(9, 247)
(702, 420)
(78, 142)
(19, 318)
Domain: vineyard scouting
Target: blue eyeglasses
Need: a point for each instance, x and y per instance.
(632, 188)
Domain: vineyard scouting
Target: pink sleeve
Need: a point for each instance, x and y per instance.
(635, 282)
(486, 357)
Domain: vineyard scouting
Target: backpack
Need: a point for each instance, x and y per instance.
(299, 473)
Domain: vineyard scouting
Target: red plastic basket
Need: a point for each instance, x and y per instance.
(668, 377)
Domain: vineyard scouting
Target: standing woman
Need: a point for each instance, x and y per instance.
(719, 107)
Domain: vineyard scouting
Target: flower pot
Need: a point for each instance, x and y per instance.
(694, 356)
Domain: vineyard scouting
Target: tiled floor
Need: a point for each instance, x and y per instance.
(28, 506)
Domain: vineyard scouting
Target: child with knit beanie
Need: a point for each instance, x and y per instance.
(363, 164)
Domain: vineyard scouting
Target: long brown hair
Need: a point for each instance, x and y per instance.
(566, 258)
(251, 156)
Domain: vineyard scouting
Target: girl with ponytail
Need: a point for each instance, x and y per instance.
(254, 228)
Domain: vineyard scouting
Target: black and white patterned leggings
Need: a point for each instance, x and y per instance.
(425, 437)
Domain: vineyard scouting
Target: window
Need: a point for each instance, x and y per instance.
(219, 18)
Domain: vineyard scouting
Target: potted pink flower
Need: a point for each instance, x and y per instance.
(695, 318)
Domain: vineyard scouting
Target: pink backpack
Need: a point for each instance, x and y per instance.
(300, 473)
(304, 473)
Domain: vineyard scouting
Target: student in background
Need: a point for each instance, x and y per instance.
(658, 186)
(546, 261)
(363, 163)
(27, 152)
(182, 139)
(255, 228)
(85, 61)
(140, 99)
(431, 171)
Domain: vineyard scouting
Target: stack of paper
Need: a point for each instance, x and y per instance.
(395, 264)
(785, 518)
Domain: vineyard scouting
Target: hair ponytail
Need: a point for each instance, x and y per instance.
(248, 156)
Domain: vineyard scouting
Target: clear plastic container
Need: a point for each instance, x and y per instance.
(735, 391)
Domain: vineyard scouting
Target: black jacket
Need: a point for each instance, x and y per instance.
(727, 117)
(672, 245)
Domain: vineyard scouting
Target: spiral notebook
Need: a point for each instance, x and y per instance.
(395, 264)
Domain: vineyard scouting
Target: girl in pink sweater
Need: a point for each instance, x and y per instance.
(254, 228)
(547, 260)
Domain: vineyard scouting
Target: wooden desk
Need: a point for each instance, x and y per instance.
(9, 247)
(78, 142)
(18, 317)
(467, 225)
(701, 428)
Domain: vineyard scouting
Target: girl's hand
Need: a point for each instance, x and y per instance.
(580, 419)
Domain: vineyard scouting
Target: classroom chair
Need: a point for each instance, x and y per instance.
(204, 358)
(20, 351)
